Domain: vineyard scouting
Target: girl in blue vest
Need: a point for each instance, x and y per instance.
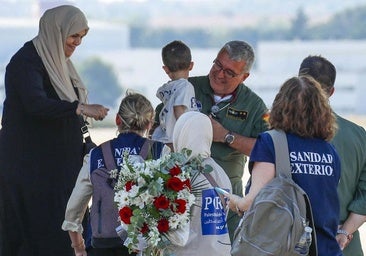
(134, 120)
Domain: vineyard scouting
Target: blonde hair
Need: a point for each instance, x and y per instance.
(301, 107)
(136, 113)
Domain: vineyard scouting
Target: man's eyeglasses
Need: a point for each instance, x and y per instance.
(228, 73)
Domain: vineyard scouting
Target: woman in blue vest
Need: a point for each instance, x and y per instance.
(301, 109)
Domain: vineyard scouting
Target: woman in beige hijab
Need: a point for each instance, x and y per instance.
(41, 144)
(208, 231)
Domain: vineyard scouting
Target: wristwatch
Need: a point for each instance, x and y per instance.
(229, 138)
(344, 232)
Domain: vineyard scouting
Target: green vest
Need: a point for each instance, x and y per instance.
(350, 141)
(244, 114)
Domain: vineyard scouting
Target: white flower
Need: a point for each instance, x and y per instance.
(134, 191)
(174, 221)
(142, 200)
(146, 198)
(141, 181)
(121, 198)
(154, 237)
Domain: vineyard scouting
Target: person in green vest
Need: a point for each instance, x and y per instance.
(237, 114)
(349, 141)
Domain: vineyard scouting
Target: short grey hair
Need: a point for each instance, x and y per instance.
(240, 51)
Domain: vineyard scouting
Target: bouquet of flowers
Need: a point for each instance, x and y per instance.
(154, 199)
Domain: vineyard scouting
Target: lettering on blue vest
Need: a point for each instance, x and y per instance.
(311, 163)
(213, 217)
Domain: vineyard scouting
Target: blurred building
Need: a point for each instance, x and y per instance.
(279, 60)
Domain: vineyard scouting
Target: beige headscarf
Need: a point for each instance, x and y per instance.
(54, 27)
(193, 130)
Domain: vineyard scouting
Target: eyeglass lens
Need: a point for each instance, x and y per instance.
(227, 72)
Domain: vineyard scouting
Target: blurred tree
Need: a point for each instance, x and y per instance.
(101, 82)
(299, 25)
(157, 38)
(348, 24)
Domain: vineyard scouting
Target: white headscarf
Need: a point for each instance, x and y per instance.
(54, 27)
(193, 130)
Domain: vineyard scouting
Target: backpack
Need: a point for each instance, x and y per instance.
(104, 212)
(278, 215)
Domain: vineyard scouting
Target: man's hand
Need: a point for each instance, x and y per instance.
(219, 131)
(241, 143)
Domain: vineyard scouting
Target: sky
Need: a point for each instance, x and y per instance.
(254, 11)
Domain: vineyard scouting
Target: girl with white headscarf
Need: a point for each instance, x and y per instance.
(41, 144)
(208, 231)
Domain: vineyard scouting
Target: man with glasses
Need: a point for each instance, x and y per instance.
(237, 114)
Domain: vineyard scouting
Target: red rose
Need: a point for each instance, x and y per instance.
(144, 229)
(175, 171)
(129, 185)
(125, 214)
(161, 202)
(163, 225)
(175, 184)
(180, 206)
(187, 183)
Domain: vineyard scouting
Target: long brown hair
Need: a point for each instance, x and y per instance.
(301, 107)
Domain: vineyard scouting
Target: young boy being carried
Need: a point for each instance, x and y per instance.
(177, 95)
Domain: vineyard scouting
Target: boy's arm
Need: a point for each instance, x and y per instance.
(179, 110)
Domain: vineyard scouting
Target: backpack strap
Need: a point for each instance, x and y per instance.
(151, 149)
(283, 168)
(108, 155)
(146, 147)
(281, 152)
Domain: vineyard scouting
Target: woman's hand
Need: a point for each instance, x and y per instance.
(80, 252)
(79, 249)
(236, 204)
(77, 243)
(96, 111)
